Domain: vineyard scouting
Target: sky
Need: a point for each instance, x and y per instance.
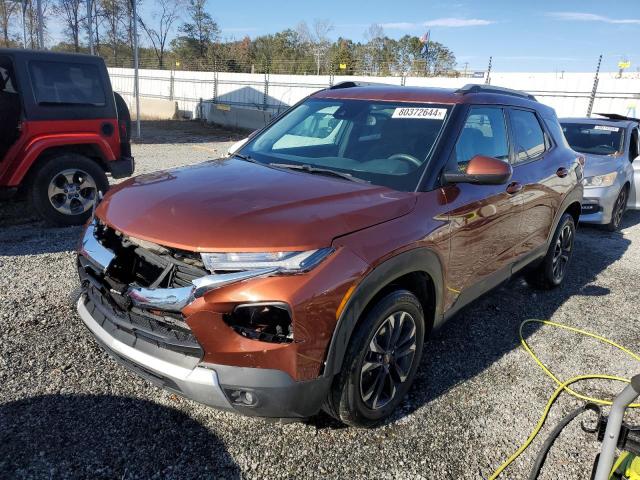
(540, 35)
(521, 36)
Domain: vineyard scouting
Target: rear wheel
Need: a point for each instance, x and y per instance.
(551, 272)
(618, 210)
(380, 363)
(65, 188)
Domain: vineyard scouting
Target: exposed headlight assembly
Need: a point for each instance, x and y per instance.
(285, 262)
(601, 180)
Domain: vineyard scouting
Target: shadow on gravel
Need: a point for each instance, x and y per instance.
(86, 436)
(487, 330)
(22, 233)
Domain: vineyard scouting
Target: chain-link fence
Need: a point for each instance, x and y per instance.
(195, 92)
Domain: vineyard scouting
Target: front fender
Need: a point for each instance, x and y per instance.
(415, 260)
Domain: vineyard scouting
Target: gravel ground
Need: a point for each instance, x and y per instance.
(68, 411)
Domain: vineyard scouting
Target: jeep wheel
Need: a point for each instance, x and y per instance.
(65, 188)
(552, 271)
(618, 211)
(380, 363)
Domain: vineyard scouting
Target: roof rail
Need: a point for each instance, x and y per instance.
(352, 83)
(615, 116)
(476, 88)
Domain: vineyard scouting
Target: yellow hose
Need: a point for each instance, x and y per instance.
(563, 386)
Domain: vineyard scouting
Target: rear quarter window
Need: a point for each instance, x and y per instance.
(62, 83)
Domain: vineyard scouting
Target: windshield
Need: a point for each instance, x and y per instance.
(384, 143)
(594, 139)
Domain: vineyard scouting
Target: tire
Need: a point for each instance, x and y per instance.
(618, 210)
(354, 398)
(551, 272)
(59, 205)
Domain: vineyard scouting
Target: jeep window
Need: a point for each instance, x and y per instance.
(384, 143)
(484, 133)
(592, 138)
(67, 83)
(7, 81)
(528, 135)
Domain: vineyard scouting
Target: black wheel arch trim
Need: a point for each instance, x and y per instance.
(421, 259)
(575, 196)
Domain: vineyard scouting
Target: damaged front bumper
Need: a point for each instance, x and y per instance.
(169, 299)
(142, 329)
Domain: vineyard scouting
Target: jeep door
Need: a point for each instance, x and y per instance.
(484, 219)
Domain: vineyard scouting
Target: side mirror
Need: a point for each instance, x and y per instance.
(482, 170)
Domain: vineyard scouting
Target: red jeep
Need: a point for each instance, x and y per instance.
(62, 129)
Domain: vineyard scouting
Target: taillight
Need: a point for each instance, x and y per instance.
(123, 130)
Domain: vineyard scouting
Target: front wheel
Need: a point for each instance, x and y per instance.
(65, 188)
(618, 211)
(380, 363)
(552, 271)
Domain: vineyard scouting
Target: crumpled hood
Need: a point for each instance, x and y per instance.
(600, 164)
(231, 204)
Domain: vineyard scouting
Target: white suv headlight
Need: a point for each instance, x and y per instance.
(287, 262)
(601, 180)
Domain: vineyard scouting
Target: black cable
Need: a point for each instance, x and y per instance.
(548, 443)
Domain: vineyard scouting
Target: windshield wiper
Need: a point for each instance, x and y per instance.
(319, 171)
(246, 158)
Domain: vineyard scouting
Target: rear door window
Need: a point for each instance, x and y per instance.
(484, 133)
(62, 83)
(528, 134)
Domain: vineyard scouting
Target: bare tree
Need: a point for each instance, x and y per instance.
(316, 37)
(69, 13)
(165, 19)
(8, 8)
(375, 44)
(114, 14)
(128, 23)
(31, 15)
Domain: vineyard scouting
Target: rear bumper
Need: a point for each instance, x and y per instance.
(225, 387)
(122, 168)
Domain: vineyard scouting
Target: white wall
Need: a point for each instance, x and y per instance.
(568, 93)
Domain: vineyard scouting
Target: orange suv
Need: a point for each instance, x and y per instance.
(306, 270)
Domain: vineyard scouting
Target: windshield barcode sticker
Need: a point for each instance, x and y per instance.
(420, 113)
(606, 128)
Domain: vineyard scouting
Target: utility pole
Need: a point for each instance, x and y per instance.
(595, 88)
(488, 79)
(40, 24)
(90, 24)
(136, 86)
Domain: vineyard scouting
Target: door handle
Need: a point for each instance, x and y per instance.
(562, 172)
(514, 187)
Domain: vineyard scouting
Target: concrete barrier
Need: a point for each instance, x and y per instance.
(154, 108)
(235, 117)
